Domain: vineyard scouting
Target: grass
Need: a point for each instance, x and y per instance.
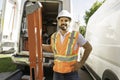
(6, 65)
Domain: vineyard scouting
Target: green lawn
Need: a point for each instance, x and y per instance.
(6, 64)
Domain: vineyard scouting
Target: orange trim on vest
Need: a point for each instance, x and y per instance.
(63, 67)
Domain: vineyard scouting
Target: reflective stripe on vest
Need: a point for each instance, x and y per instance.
(65, 58)
(54, 41)
(69, 47)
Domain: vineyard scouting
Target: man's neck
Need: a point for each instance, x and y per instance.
(63, 32)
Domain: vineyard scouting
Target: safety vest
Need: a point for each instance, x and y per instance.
(64, 53)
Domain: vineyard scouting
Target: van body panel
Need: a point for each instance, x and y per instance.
(104, 34)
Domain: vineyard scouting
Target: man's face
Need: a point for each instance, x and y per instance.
(63, 23)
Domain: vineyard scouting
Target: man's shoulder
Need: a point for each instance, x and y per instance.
(75, 32)
(54, 34)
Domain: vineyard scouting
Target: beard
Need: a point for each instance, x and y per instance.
(63, 27)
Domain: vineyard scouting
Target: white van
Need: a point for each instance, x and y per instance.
(103, 32)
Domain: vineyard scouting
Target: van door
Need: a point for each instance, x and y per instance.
(50, 10)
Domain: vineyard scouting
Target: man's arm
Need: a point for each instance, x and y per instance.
(87, 49)
(47, 48)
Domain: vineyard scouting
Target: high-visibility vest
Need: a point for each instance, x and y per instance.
(64, 53)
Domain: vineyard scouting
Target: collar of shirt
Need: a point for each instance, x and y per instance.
(62, 37)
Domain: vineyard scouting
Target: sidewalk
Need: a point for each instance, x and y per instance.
(4, 74)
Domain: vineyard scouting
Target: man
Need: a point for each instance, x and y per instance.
(65, 45)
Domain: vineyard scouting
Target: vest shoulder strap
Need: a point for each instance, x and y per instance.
(71, 42)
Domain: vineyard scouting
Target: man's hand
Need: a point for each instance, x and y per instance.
(76, 66)
(47, 48)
